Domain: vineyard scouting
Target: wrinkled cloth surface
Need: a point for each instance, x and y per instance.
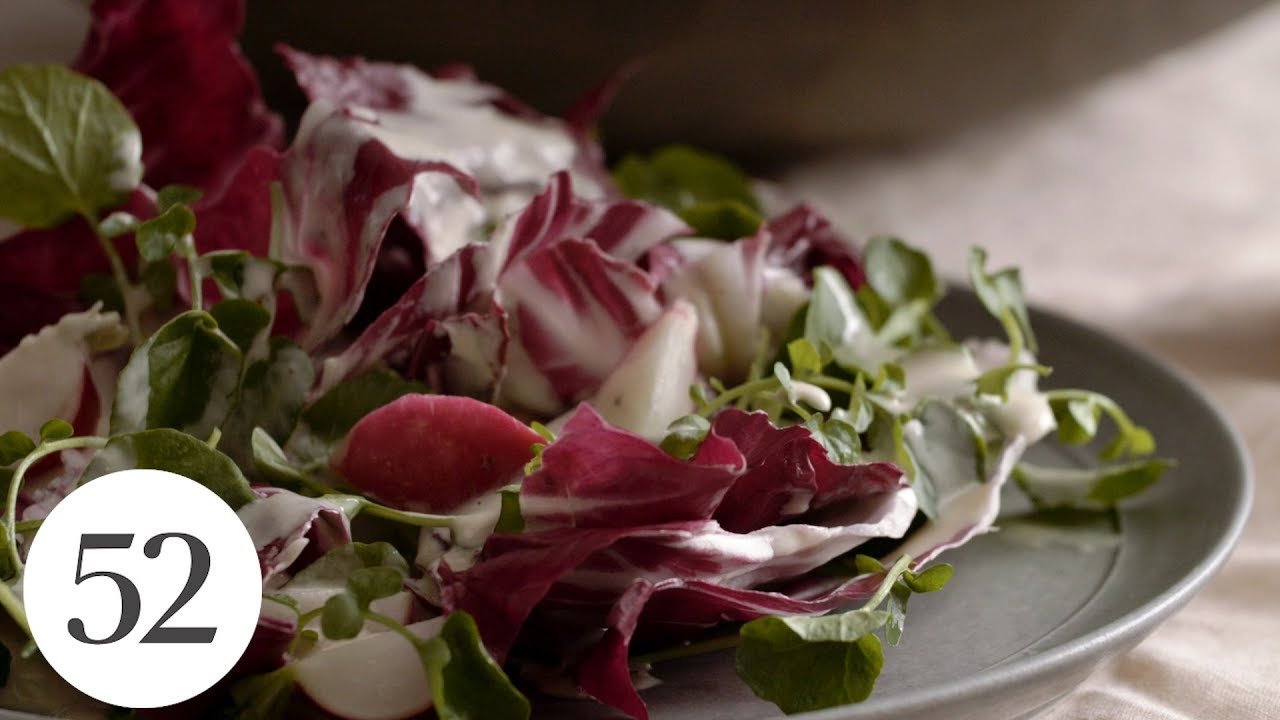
(1149, 205)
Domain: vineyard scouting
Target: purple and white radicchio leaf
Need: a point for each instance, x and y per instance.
(625, 229)
(596, 475)
(507, 147)
(574, 311)
(462, 283)
(341, 189)
(290, 530)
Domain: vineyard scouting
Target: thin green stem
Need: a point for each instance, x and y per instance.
(728, 396)
(193, 272)
(15, 485)
(890, 577)
(405, 517)
(12, 605)
(121, 277)
(687, 650)
(395, 627)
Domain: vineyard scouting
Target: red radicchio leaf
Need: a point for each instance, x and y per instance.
(788, 473)
(177, 68)
(595, 475)
(803, 239)
(432, 453)
(41, 271)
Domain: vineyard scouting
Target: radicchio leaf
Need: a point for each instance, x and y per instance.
(575, 310)
(789, 473)
(291, 531)
(176, 66)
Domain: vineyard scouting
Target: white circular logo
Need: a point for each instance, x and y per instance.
(142, 588)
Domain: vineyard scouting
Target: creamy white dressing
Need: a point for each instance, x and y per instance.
(127, 155)
(498, 150)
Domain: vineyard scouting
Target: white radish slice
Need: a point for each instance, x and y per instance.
(373, 677)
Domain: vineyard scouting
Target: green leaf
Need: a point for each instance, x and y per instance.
(176, 452)
(118, 223)
(947, 454)
(1077, 419)
(67, 146)
(899, 594)
(784, 379)
(1001, 293)
(373, 583)
(262, 697)
(173, 195)
(834, 317)
(804, 664)
(14, 445)
(705, 190)
(685, 435)
(1087, 488)
(510, 519)
(56, 429)
(158, 237)
(269, 460)
(342, 618)
(183, 377)
(804, 356)
(333, 569)
(161, 282)
(243, 321)
(271, 397)
(931, 580)
(466, 683)
(723, 219)
(238, 274)
(867, 565)
(838, 437)
(339, 409)
(900, 273)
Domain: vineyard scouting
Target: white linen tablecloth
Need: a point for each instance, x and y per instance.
(1148, 204)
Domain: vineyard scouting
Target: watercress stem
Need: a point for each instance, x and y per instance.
(12, 605)
(188, 246)
(728, 396)
(10, 518)
(395, 627)
(408, 518)
(121, 277)
(687, 650)
(1114, 411)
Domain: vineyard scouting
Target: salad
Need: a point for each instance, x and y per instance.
(502, 421)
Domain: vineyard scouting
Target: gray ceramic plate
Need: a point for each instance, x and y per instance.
(1021, 625)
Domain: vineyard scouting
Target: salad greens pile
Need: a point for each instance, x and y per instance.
(494, 416)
